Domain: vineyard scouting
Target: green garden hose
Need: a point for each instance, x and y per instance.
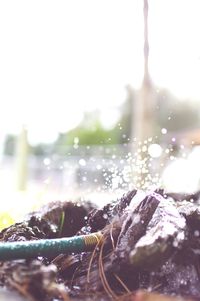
(49, 247)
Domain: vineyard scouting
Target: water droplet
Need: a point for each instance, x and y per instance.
(155, 150)
(82, 162)
(47, 161)
(144, 149)
(105, 216)
(164, 131)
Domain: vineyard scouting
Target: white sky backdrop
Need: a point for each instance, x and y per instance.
(59, 58)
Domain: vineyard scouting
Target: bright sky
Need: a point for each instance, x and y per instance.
(59, 58)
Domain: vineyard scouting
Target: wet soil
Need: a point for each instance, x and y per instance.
(150, 250)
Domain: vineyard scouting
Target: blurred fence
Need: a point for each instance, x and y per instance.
(106, 169)
(82, 168)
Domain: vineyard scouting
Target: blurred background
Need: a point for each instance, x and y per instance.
(97, 97)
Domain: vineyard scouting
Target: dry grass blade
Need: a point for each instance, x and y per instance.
(73, 276)
(91, 260)
(104, 281)
(122, 283)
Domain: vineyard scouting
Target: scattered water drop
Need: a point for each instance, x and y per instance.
(164, 131)
(82, 162)
(144, 149)
(105, 216)
(47, 161)
(155, 150)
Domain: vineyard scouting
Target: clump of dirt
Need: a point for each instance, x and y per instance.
(150, 250)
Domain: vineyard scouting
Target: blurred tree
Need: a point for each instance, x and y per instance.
(126, 120)
(9, 146)
(175, 114)
(21, 157)
(170, 113)
(89, 132)
(40, 149)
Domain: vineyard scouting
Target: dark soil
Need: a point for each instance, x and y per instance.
(150, 250)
